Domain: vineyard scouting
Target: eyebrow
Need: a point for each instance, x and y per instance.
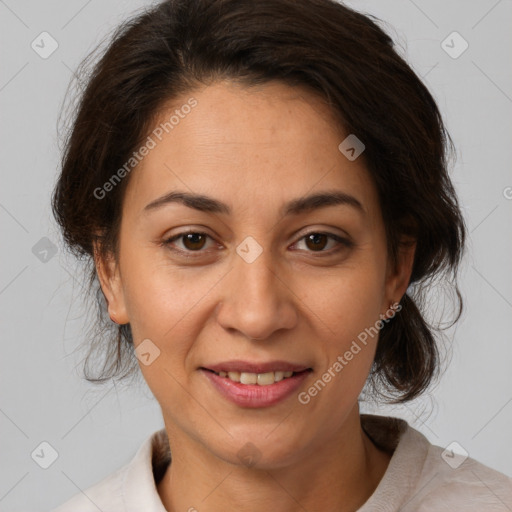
(294, 207)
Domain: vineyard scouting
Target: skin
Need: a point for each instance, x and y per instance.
(256, 149)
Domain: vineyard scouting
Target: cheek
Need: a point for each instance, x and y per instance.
(348, 300)
(168, 306)
(160, 296)
(348, 304)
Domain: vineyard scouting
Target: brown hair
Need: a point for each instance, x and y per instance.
(320, 45)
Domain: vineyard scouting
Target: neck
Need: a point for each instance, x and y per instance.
(339, 473)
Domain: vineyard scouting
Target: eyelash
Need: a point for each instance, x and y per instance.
(344, 242)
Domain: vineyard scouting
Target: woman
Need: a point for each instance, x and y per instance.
(257, 185)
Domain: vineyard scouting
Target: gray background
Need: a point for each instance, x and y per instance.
(96, 430)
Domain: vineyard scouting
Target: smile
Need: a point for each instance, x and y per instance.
(256, 390)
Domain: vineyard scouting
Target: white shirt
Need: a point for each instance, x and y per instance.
(417, 479)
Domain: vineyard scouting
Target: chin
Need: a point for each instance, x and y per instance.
(260, 450)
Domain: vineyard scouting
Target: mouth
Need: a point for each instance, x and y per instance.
(251, 385)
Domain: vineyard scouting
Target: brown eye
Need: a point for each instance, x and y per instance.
(316, 241)
(327, 243)
(194, 241)
(191, 241)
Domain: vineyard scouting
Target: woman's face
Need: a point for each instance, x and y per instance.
(255, 290)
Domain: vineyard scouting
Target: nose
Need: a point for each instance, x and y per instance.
(257, 300)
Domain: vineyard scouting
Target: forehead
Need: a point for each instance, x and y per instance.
(268, 143)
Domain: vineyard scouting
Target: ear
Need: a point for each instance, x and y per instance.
(109, 276)
(399, 275)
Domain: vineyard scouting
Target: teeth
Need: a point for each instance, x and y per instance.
(235, 376)
(249, 378)
(262, 379)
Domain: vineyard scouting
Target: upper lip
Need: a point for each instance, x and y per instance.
(252, 367)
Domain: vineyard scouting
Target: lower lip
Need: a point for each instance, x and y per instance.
(254, 395)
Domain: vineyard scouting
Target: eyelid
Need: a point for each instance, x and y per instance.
(188, 253)
(341, 241)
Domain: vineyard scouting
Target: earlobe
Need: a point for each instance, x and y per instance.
(109, 277)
